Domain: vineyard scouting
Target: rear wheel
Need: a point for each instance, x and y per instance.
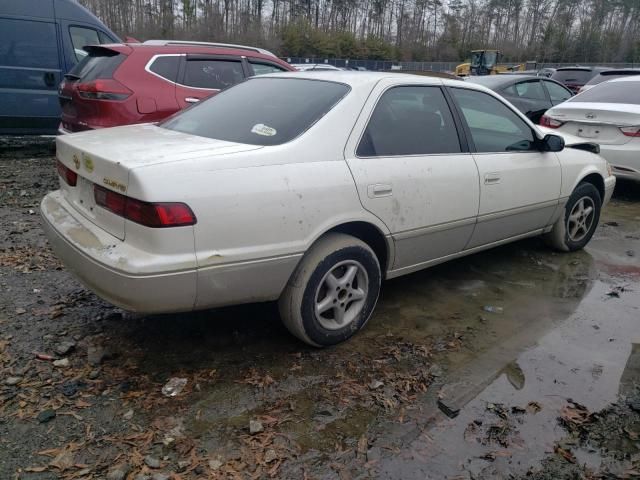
(332, 292)
(575, 228)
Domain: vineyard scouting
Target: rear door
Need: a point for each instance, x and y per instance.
(413, 171)
(519, 185)
(29, 76)
(204, 75)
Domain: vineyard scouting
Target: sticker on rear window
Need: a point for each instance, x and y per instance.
(264, 130)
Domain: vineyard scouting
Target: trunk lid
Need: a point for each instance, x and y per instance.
(596, 122)
(106, 157)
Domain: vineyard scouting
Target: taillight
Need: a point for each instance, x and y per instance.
(550, 122)
(67, 174)
(154, 215)
(103, 89)
(630, 131)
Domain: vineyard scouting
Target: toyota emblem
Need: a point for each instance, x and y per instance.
(590, 115)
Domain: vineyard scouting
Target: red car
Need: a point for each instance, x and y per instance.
(121, 84)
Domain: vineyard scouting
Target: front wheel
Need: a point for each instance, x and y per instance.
(332, 292)
(574, 229)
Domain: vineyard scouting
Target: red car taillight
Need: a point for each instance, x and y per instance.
(630, 131)
(154, 215)
(67, 174)
(103, 89)
(550, 122)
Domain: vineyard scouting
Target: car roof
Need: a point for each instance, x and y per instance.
(169, 47)
(620, 71)
(498, 81)
(579, 68)
(368, 78)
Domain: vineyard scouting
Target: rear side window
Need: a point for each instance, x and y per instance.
(213, 74)
(410, 121)
(81, 37)
(260, 111)
(264, 68)
(24, 43)
(611, 92)
(166, 67)
(99, 63)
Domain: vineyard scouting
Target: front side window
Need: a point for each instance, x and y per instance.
(494, 127)
(410, 121)
(213, 74)
(81, 37)
(24, 43)
(264, 68)
(260, 111)
(557, 92)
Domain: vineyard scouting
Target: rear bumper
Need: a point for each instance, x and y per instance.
(111, 268)
(624, 159)
(100, 261)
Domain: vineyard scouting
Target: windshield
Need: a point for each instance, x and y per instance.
(261, 111)
(476, 58)
(611, 92)
(605, 76)
(573, 76)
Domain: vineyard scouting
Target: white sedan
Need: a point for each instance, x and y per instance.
(607, 114)
(310, 189)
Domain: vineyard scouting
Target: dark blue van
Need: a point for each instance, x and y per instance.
(40, 41)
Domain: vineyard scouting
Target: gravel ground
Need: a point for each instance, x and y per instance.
(81, 382)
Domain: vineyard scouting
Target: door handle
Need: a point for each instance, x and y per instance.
(379, 190)
(491, 178)
(191, 100)
(49, 79)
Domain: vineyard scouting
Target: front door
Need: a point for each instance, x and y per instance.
(413, 172)
(519, 184)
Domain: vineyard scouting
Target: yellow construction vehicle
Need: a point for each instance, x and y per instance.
(485, 62)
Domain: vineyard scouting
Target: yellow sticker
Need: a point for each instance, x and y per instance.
(88, 162)
(76, 161)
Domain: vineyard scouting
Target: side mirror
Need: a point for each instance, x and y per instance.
(552, 143)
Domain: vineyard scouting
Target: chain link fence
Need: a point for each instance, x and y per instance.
(431, 66)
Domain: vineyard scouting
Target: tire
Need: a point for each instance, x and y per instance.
(340, 273)
(574, 229)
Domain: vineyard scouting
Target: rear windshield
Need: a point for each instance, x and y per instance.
(605, 76)
(260, 111)
(573, 76)
(100, 63)
(611, 92)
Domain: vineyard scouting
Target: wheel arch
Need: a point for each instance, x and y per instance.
(370, 234)
(596, 180)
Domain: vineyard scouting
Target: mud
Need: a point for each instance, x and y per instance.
(564, 327)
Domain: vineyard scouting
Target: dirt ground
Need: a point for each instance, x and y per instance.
(514, 363)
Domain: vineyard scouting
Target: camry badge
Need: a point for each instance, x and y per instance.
(590, 115)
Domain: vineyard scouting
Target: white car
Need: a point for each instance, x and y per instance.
(312, 189)
(607, 114)
(318, 67)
